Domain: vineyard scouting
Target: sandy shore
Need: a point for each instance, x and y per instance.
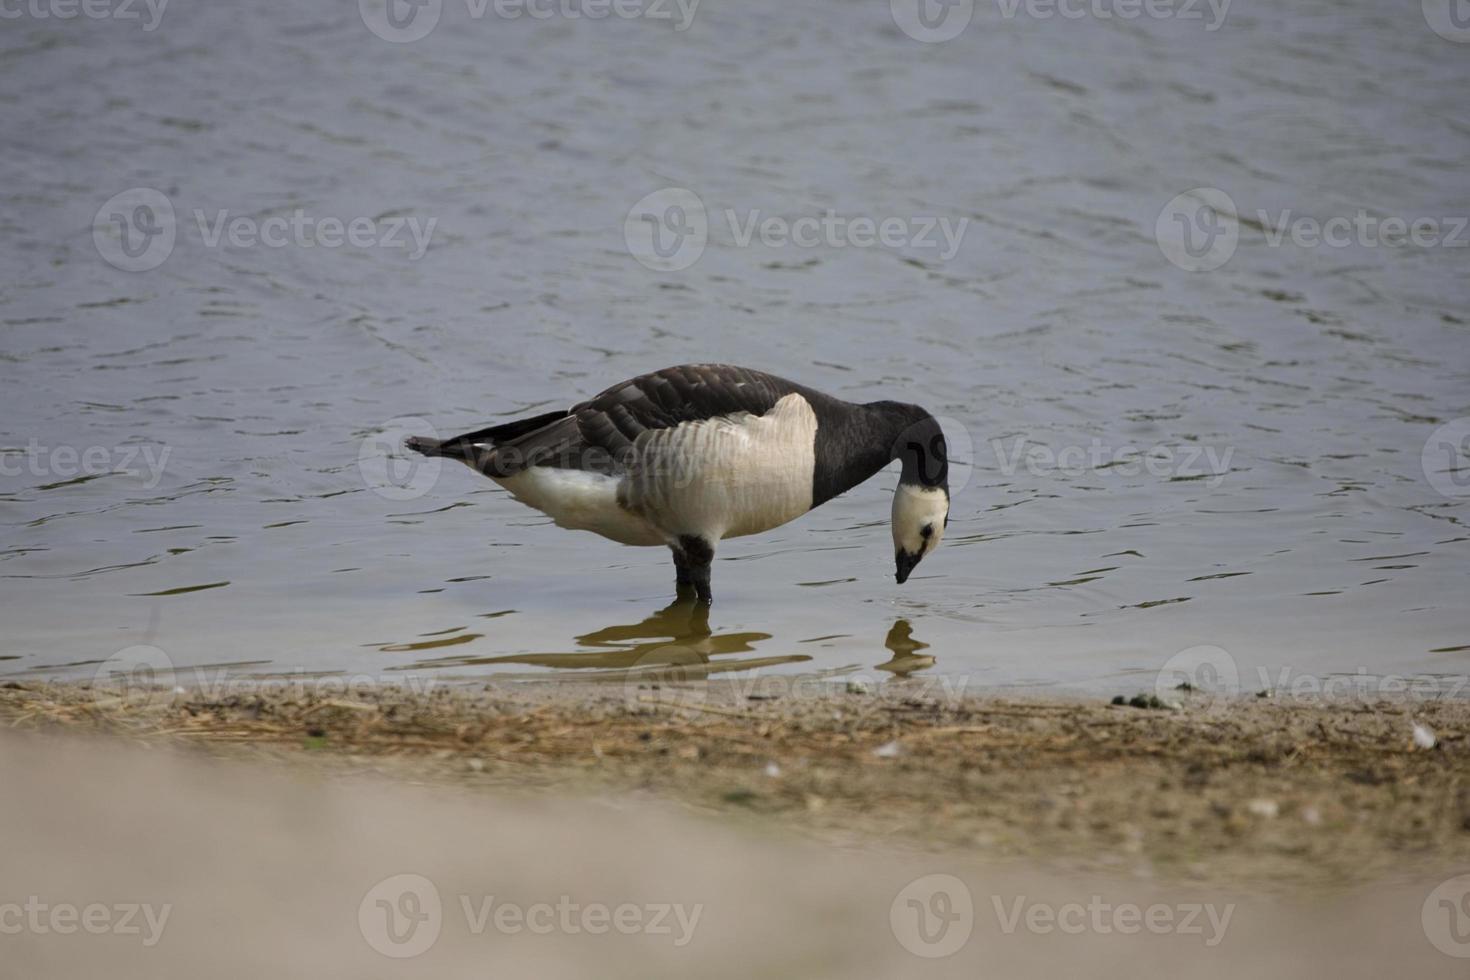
(1258, 792)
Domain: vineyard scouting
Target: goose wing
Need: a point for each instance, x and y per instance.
(598, 434)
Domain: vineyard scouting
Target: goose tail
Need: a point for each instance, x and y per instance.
(425, 445)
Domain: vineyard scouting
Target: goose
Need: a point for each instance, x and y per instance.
(689, 455)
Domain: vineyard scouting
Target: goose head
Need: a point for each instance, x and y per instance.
(919, 516)
(921, 500)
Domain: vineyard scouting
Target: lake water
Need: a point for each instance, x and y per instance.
(1161, 451)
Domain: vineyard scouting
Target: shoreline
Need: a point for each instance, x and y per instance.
(1254, 791)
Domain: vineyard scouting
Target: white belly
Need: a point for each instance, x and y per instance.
(583, 501)
(719, 478)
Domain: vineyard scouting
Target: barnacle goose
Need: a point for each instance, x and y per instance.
(688, 455)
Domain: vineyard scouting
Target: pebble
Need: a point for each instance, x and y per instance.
(773, 770)
(888, 750)
(1267, 809)
(1424, 736)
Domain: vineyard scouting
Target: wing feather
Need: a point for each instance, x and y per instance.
(599, 433)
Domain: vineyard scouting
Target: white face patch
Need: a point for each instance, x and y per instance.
(915, 508)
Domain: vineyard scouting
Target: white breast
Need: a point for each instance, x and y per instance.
(727, 476)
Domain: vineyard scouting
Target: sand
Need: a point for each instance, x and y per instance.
(1258, 792)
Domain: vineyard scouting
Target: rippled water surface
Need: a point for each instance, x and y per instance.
(236, 398)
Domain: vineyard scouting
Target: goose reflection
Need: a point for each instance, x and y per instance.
(905, 649)
(675, 642)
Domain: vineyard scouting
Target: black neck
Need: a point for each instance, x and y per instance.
(856, 441)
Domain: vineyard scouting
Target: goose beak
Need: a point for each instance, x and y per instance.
(905, 561)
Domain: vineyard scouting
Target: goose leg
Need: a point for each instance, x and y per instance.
(683, 576)
(692, 558)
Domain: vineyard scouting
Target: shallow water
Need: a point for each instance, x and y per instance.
(1285, 399)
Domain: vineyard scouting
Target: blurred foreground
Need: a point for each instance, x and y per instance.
(140, 861)
(677, 830)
